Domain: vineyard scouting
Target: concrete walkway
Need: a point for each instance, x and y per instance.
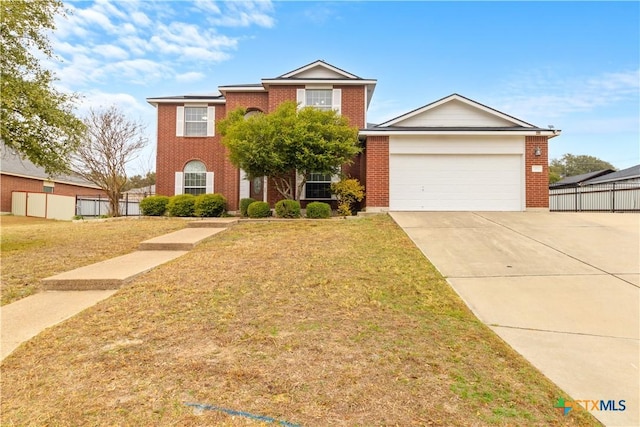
(66, 294)
(563, 289)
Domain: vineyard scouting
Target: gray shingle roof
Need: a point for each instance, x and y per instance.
(624, 174)
(571, 181)
(12, 164)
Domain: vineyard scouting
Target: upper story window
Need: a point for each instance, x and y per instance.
(322, 99)
(195, 120)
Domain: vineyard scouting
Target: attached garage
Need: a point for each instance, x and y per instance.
(449, 173)
(456, 155)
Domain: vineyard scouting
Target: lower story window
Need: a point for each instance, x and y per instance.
(318, 186)
(195, 178)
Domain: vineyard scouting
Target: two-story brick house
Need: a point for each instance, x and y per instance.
(452, 154)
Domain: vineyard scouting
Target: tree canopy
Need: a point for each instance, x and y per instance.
(36, 120)
(289, 140)
(110, 142)
(571, 165)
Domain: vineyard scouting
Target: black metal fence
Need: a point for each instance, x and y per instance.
(96, 206)
(606, 197)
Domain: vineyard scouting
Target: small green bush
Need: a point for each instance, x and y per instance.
(318, 210)
(244, 204)
(288, 209)
(259, 210)
(210, 205)
(181, 205)
(154, 205)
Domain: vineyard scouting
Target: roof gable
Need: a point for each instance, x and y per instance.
(318, 70)
(455, 111)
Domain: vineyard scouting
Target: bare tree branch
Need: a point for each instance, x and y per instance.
(110, 142)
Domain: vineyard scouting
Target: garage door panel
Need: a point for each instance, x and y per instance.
(455, 182)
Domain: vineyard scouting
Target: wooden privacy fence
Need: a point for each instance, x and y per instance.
(606, 197)
(43, 205)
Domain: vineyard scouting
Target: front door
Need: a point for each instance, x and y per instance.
(256, 189)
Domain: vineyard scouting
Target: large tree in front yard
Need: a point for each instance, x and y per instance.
(110, 142)
(289, 140)
(36, 119)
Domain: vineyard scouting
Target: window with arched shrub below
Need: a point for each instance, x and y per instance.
(194, 179)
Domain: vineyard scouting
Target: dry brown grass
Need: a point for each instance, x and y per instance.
(35, 248)
(317, 324)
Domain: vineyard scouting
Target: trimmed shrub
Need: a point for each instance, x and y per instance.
(210, 205)
(318, 210)
(288, 209)
(181, 205)
(259, 210)
(244, 204)
(154, 205)
(348, 191)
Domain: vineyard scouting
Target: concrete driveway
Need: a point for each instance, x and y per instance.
(563, 289)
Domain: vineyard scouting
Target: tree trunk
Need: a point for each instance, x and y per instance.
(114, 203)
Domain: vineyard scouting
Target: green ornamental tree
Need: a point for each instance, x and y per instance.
(36, 120)
(571, 165)
(289, 140)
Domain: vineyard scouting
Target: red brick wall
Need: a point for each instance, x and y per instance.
(174, 152)
(259, 100)
(353, 104)
(537, 183)
(10, 183)
(377, 172)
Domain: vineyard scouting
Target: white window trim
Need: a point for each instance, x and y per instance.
(180, 120)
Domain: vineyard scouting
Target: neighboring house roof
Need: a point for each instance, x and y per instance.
(149, 189)
(621, 175)
(12, 164)
(456, 114)
(572, 181)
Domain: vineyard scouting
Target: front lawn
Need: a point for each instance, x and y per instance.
(35, 248)
(336, 322)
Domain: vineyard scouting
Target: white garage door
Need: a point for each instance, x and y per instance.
(441, 182)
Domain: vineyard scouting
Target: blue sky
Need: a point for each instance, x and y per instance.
(574, 65)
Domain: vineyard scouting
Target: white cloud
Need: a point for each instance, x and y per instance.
(110, 51)
(190, 77)
(238, 13)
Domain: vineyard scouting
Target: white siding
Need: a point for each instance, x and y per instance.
(454, 114)
(456, 144)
